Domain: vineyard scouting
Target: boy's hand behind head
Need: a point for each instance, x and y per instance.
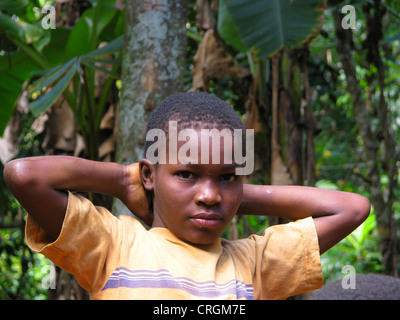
(136, 198)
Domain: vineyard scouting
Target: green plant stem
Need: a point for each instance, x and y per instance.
(103, 99)
(93, 145)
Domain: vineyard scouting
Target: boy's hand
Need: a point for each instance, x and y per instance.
(136, 198)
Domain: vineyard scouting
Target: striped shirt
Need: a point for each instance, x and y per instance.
(117, 258)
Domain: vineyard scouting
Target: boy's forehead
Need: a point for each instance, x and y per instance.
(201, 146)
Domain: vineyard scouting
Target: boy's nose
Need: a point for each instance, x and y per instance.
(208, 194)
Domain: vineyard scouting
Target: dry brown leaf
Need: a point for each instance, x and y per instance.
(9, 141)
(106, 147)
(80, 145)
(279, 171)
(39, 124)
(61, 128)
(211, 62)
(107, 122)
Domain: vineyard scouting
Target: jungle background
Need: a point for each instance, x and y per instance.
(319, 86)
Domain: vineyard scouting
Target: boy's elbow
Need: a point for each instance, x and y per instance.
(361, 209)
(18, 174)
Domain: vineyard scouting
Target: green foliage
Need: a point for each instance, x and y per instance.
(359, 249)
(87, 30)
(264, 27)
(24, 46)
(21, 270)
(60, 76)
(227, 28)
(27, 49)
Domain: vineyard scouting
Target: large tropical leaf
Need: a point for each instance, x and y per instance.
(34, 49)
(50, 76)
(111, 47)
(12, 5)
(47, 100)
(86, 31)
(90, 59)
(265, 26)
(17, 67)
(227, 28)
(57, 79)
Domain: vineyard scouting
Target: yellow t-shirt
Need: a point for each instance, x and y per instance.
(117, 258)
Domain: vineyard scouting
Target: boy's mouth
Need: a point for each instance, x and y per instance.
(207, 220)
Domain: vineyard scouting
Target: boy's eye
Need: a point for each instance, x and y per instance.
(228, 177)
(185, 175)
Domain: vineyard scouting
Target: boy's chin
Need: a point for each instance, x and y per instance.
(203, 237)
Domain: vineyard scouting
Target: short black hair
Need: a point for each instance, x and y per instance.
(193, 109)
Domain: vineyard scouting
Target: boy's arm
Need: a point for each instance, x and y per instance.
(336, 214)
(40, 185)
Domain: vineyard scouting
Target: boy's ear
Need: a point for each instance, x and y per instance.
(147, 174)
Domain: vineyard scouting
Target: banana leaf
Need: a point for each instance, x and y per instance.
(266, 26)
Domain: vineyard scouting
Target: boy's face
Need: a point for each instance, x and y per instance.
(194, 201)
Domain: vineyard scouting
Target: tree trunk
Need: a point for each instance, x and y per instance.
(370, 147)
(152, 69)
(289, 86)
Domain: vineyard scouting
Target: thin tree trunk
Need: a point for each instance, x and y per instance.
(370, 146)
(152, 69)
(311, 130)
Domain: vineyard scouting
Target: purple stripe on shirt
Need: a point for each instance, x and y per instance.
(123, 277)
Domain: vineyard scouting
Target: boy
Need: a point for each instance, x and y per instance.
(192, 200)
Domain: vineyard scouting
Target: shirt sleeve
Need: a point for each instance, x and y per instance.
(282, 262)
(287, 260)
(87, 244)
